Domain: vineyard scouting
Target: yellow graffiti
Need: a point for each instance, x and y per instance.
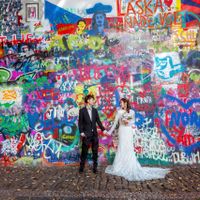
(195, 77)
(1, 52)
(9, 95)
(75, 42)
(56, 41)
(81, 91)
(184, 37)
(178, 5)
(95, 43)
(69, 137)
(81, 27)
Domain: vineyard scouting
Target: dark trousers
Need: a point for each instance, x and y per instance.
(85, 145)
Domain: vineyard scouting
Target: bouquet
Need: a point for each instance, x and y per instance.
(126, 118)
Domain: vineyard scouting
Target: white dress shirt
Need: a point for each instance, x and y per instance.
(89, 109)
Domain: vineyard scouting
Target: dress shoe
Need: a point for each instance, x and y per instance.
(95, 171)
(80, 170)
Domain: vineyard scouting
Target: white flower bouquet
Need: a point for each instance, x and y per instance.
(126, 118)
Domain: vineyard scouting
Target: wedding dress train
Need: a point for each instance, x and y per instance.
(125, 163)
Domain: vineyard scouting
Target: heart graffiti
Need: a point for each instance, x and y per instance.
(168, 2)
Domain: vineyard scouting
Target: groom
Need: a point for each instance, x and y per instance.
(88, 117)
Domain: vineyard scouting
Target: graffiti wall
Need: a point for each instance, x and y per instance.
(53, 53)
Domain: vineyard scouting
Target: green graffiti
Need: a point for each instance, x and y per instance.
(6, 105)
(27, 87)
(30, 86)
(46, 64)
(195, 77)
(56, 41)
(163, 92)
(149, 161)
(95, 43)
(4, 75)
(76, 42)
(74, 143)
(41, 81)
(145, 78)
(26, 77)
(28, 161)
(14, 125)
(58, 67)
(110, 155)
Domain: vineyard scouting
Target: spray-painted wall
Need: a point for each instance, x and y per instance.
(53, 53)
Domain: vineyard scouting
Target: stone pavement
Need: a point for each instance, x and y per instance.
(48, 183)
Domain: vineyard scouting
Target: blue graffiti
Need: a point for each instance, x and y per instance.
(184, 105)
(165, 68)
(99, 22)
(185, 118)
(171, 140)
(139, 119)
(190, 149)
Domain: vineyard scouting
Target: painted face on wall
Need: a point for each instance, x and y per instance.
(99, 18)
(81, 26)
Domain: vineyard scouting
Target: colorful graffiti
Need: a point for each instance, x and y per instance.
(147, 51)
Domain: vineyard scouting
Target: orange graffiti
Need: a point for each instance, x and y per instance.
(9, 95)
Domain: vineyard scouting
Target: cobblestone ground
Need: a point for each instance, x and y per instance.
(48, 183)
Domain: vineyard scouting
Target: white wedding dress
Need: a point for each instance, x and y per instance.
(125, 163)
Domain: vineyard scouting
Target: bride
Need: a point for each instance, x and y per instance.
(125, 163)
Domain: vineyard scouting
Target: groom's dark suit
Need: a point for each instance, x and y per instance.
(88, 127)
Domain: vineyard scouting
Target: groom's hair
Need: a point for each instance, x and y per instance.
(88, 97)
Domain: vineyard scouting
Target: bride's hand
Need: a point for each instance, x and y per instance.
(125, 122)
(109, 133)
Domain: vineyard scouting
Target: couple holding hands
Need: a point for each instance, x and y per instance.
(125, 163)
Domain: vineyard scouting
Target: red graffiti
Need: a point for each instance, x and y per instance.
(188, 139)
(66, 28)
(48, 94)
(183, 90)
(22, 141)
(28, 38)
(168, 2)
(144, 107)
(138, 149)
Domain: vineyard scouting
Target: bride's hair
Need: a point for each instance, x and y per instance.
(128, 106)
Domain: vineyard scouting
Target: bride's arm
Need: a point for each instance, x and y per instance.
(114, 124)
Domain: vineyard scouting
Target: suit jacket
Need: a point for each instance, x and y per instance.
(85, 124)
